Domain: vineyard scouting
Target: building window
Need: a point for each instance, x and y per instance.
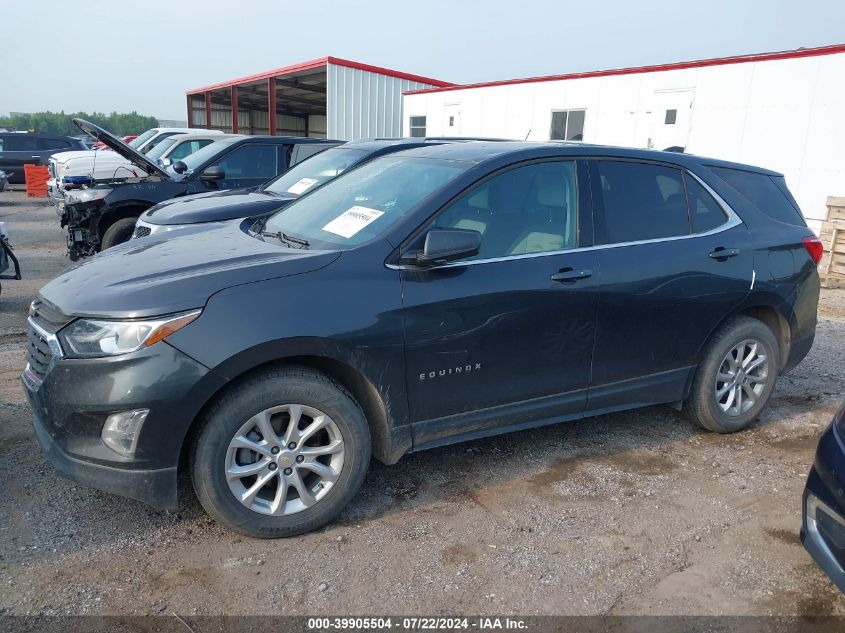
(417, 126)
(568, 125)
(671, 117)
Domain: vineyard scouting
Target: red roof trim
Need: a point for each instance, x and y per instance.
(719, 61)
(316, 63)
(337, 61)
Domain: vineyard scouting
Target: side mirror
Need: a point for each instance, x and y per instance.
(166, 162)
(179, 167)
(213, 173)
(446, 245)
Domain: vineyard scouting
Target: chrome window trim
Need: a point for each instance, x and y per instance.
(732, 221)
(52, 339)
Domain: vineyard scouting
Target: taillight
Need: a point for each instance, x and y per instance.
(814, 248)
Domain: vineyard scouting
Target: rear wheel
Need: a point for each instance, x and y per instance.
(736, 376)
(118, 233)
(281, 454)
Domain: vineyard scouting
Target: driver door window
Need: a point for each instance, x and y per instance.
(250, 161)
(530, 209)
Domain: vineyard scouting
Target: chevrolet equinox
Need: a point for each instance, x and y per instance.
(435, 295)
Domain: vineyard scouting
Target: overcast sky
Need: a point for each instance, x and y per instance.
(107, 55)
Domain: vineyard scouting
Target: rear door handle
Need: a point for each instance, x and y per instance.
(569, 275)
(723, 253)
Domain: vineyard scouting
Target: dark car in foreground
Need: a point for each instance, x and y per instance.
(104, 214)
(823, 527)
(31, 148)
(436, 295)
(305, 177)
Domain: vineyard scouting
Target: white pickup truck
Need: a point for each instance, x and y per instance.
(69, 170)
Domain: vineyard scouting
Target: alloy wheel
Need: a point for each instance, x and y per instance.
(742, 377)
(284, 459)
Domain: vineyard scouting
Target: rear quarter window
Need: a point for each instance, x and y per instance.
(764, 192)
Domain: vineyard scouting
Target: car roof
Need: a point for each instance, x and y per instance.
(482, 151)
(203, 136)
(293, 140)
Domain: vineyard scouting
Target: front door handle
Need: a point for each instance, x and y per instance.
(723, 253)
(570, 275)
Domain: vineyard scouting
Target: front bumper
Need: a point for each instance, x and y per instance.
(825, 541)
(155, 487)
(73, 398)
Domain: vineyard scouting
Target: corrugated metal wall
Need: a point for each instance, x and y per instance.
(362, 104)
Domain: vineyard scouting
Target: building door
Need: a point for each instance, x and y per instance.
(671, 118)
(452, 119)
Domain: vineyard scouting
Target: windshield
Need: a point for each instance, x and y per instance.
(156, 152)
(136, 143)
(365, 202)
(200, 156)
(315, 171)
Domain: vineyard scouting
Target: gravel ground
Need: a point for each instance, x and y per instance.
(630, 513)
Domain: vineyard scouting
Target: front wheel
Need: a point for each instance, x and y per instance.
(118, 233)
(736, 376)
(281, 454)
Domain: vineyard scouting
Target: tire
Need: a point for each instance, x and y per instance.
(118, 233)
(711, 404)
(216, 451)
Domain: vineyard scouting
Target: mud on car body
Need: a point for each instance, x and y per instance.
(440, 294)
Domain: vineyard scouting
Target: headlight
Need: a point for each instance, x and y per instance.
(91, 338)
(87, 195)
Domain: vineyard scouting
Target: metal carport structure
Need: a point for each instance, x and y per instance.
(327, 97)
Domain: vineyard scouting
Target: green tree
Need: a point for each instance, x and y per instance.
(119, 124)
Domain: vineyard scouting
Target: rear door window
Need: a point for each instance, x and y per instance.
(764, 192)
(641, 201)
(304, 151)
(52, 143)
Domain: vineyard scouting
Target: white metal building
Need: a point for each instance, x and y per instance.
(326, 97)
(784, 111)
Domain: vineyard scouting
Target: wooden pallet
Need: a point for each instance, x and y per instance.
(832, 265)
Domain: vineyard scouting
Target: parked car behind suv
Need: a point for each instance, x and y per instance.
(103, 215)
(431, 296)
(203, 208)
(18, 149)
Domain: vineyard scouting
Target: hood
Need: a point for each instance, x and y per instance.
(215, 207)
(155, 276)
(122, 148)
(63, 157)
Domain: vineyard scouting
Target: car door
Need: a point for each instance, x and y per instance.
(674, 261)
(247, 165)
(504, 338)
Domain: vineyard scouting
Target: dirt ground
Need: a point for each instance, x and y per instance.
(631, 513)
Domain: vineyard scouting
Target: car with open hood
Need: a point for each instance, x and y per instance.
(430, 296)
(203, 209)
(104, 214)
(73, 170)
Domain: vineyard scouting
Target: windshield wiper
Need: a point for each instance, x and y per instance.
(289, 240)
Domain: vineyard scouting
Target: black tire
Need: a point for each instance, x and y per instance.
(118, 233)
(274, 387)
(702, 404)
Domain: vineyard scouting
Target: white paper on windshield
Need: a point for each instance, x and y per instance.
(301, 185)
(352, 221)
